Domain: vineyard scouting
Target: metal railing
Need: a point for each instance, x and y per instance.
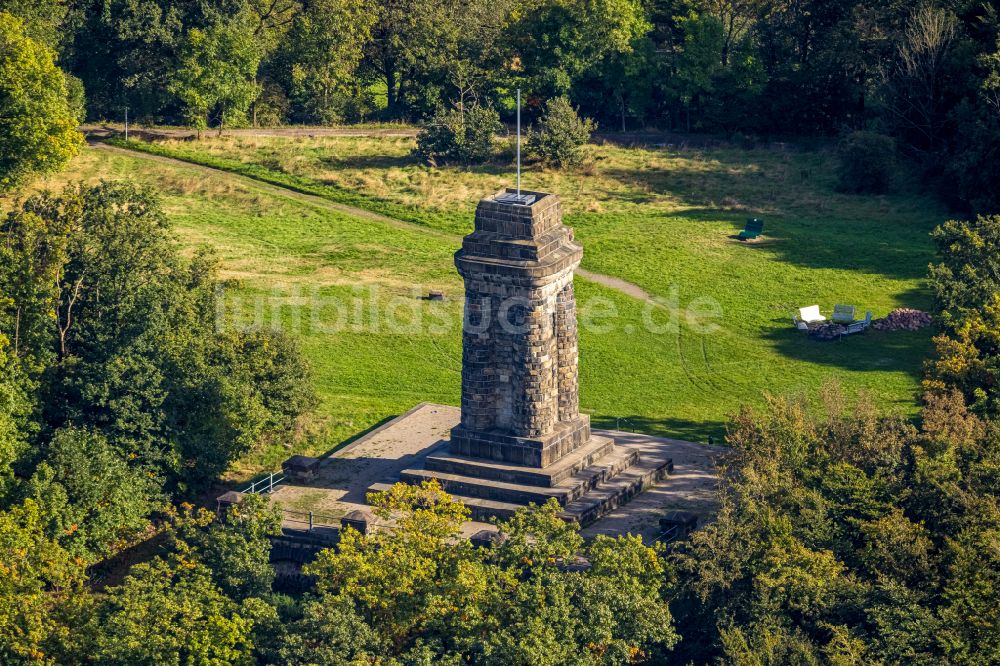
(265, 485)
(620, 420)
(308, 519)
(669, 534)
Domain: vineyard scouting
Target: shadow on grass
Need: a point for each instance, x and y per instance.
(794, 194)
(871, 351)
(863, 246)
(704, 432)
(369, 161)
(496, 167)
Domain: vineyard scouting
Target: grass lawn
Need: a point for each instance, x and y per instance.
(659, 218)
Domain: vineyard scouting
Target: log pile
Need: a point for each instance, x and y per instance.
(828, 331)
(903, 319)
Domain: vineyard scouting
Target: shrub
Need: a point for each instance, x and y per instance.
(452, 136)
(560, 135)
(271, 107)
(866, 161)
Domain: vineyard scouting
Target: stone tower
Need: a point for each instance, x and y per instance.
(521, 437)
(520, 397)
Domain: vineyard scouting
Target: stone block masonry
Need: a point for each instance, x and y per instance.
(520, 402)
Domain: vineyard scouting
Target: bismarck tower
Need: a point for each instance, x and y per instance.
(520, 397)
(521, 437)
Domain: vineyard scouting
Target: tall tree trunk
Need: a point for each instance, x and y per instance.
(253, 105)
(391, 101)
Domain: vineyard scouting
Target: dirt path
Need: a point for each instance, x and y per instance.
(105, 131)
(627, 288)
(278, 191)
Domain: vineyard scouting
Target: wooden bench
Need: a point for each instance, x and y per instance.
(860, 326)
(843, 314)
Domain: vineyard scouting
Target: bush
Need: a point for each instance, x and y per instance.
(560, 135)
(452, 136)
(271, 107)
(866, 162)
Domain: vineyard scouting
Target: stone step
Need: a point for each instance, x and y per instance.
(482, 509)
(585, 456)
(618, 491)
(572, 488)
(615, 491)
(485, 510)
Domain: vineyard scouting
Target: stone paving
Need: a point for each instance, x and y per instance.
(344, 478)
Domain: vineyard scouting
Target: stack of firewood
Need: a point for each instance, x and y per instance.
(903, 319)
(827, 331)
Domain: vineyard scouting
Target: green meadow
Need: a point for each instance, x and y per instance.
(351, 287)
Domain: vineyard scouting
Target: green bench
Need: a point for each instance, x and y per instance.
(753, 229)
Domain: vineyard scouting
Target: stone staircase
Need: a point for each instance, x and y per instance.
(588, 483)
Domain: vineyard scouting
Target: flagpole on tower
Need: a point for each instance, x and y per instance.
(518, 143)
(516, 198)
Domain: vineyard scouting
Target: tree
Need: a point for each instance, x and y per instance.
(321, 53)
(12, 406)
(417, 593)
(560, 134)
(974, 161)
(33, 255)
(123, 336)
(472, 59)
(168, 611)
(43, 20)
(42, 600)
(216, 73)
(917, 98)
(736, 18)
(969, 271)
(329, 632)
(558, 41)
(971, 613)
(404, 39)
(235, 549)
(968, 358)
(697, 61)
(94, 504)
(37, 126)
(836, 539)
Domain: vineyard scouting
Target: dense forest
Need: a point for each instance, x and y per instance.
(927, 75)
(844, 536)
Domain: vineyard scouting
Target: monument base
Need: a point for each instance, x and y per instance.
(588, 482)
(542, 451)
(377, 459)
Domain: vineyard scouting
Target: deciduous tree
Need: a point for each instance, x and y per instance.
(216, 72)
(37, 125)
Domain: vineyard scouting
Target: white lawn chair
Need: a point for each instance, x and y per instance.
(811, 315)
